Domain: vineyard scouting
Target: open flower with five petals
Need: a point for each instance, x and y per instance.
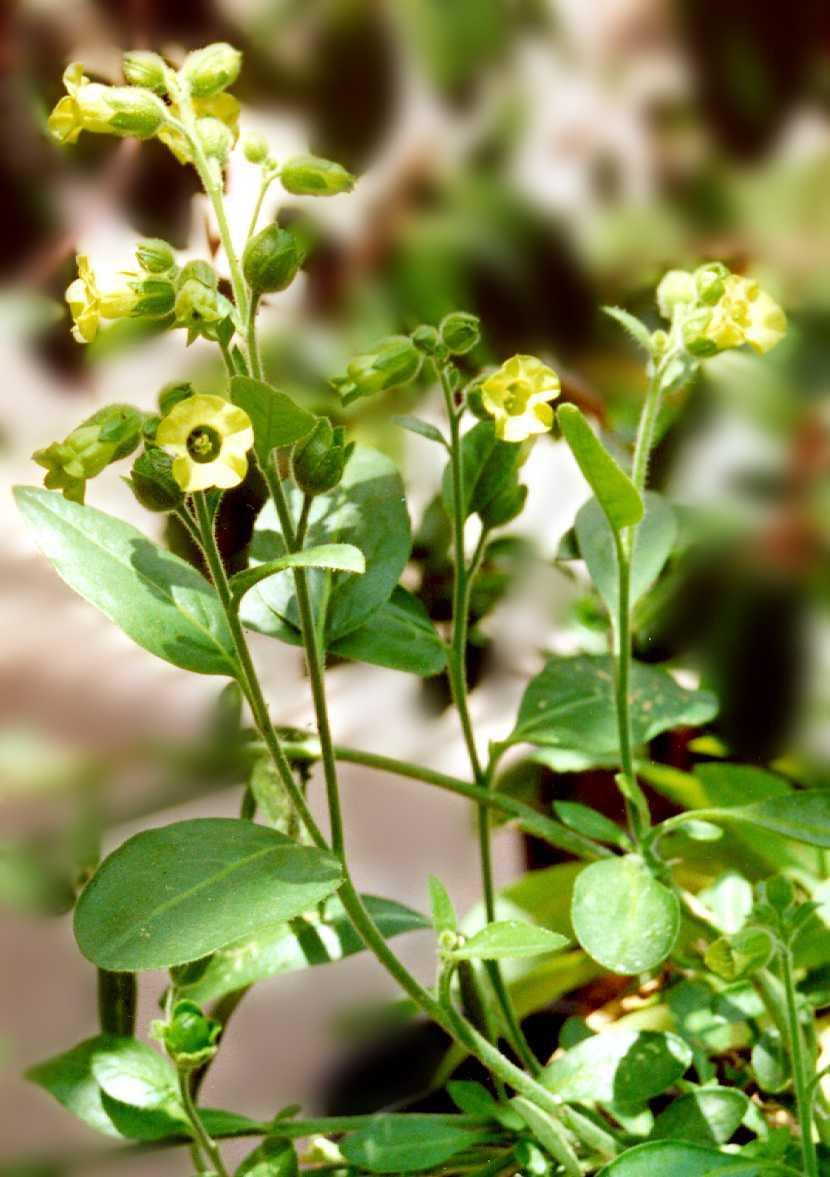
(517, 397)
(209, 439)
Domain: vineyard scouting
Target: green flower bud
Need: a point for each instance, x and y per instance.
(306, 175)
(212, 69)
(709, 281)
(198, 271)
(426, 339)
(197, 303)
(460, 331)
(156, 297)
(504, 506)
(171, 394)
(695, 338)
(396, 360)
(120, 110)
(271, 260)
(111, 433)
(189, 1037)
(275, 1157)
(216, 138)
(120, 426)
(676, 288)
(659, 343)
(143, 68)
(155, 256)
(319, 458)
(254, 148)
(152, 481)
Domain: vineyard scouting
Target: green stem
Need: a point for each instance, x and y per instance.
(802, 1072)
(636, 806)
(253, 347)
(463, 578)
(201, 1136)
(265, 184)
(117, 995)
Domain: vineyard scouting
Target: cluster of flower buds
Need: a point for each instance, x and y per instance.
(713, 310)
(108, 435)
(199, 304)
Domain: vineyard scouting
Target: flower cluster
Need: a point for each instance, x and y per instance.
(716, 310)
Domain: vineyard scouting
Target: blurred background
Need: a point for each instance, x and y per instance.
(529, 160)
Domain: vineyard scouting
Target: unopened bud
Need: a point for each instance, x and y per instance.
(155, 255)
(709, 281)
(306, 175)
(155, 297)
(677, 288)
(426, 339)
(120, 110)
(189, 1037)
(460, 331)
(198, 271)
(271, 260)
(212, 69)
(143, 68)
(396, 360)
(152, 481)
(197, 303)
(254, 148)
(319, 458)
(216, 138)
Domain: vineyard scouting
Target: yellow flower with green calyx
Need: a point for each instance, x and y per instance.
(209, 438)
(517, 396)
(88, 305)
(105, 110)
(760, 318)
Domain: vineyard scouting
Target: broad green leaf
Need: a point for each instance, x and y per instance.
(686, 1160)
(171, 895)
(285, 948)
(160, 601)
(550, 1135)
(147, 1124)
(399, 635)
(771, 1062)
(615, 492)
(623, 917)
(803, 815)
(276, 419)
(406, 1143)
(488, 465)
(422, 428)
(133, 1073)
(68, 1077)
(619, 1066)
(630, 323)
(653, 545)
(589, 822)
(710, 1115)
(444, 918)
(332, 557)
(368, 510)
(571, 704)
(505, 939)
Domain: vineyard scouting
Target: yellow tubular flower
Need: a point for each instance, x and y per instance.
(209, 438)
(517, 396)
(106, 110)
(88, 305)
(759, 316)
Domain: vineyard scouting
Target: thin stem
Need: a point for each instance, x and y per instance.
(201, 1136)
(636, 806)
(253, 346)
(801, 1073)
(265, 184)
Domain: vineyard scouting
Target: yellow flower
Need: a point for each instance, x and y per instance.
(106, 110)
(210, 439)
(517, 396)
(89, 306)
(760, 318)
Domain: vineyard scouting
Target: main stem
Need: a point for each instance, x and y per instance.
(802, 1073)
(202, 1138)
(457, 663)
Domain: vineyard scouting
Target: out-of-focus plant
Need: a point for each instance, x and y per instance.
(224, 903)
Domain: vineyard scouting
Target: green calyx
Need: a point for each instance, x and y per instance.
(271, 260)
(319, 458)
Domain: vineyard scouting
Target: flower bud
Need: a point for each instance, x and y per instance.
(212, 69)
(396, 360)
(216, 139)
(426, 339)
(709, 281)
(197, 303)
(695, 337)
(460, 331)
(120, 110)
(271, 260)
(189, 1037)
(143, 68)
(319, 458)
(306, 175)
(111, 433)
(254, 148)
(155, 297)
(171, 394)
(677, 288)
(198, 271)
(152, 482)
(155, 255)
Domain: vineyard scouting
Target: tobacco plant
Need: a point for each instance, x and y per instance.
(707, 1059)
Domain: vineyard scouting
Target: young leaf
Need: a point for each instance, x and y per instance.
(489, 466)
(276, 419)
(174, 894)
(475, 1100)
(444, 918)
(587, 821)
(630, 323)
(710, 1115)
(422, 428)
(623, 917)
(333, 557)
(615, 492)
(159, 600)
(509, 938)
(406, 1143)
(551, 1135)
(619, 1066)
(282, 948)
(399, 635)
(653, 545)
(734, 957)
(570, 704)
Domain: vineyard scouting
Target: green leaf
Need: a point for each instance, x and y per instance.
(475, 1100)
(275, 1157)
(284, 948)
(333, 557)
(587, 821)
(422, 428)
(133, 1073)
(653, 545)
(505, 939)
(68, 1077)
(174, 894)
(444, 918)
(630, 323)
(406, 1143)
(276, 419)
(550, 1134)
(147, 1124)
(620, 1065)
(616, 493)
(803, 815)
(623, 917)
(570, 704)
(734, 957)
(488, 465)
(399, 635)
(687, 1160)
(367, 509)
(710, 1115)
(160, 601)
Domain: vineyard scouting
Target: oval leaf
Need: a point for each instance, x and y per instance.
(620, 1066)
(160, 601)
(615, 492)
(509, 938)
(653, 545)
(710, 1115)
(803, 815)
(399, 635)
(333, 557)
(171, 895)
(623, 917)
(406, 1143)
(276, 419)
(686, 1160)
